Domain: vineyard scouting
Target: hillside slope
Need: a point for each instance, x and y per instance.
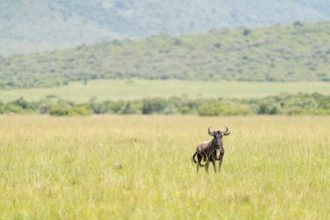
(281, 53)
(36, 25)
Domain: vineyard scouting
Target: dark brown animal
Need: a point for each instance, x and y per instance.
(210, 151)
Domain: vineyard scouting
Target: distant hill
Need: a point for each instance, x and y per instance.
(298, 52)
(37, 25)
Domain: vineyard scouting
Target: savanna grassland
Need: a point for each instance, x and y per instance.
(139, 167)
(105, 90)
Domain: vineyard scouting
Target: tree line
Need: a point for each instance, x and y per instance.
(283, 104)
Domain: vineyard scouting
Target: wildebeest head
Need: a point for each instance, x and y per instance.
(217, 135)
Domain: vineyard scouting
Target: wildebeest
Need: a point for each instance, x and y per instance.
(211, 151)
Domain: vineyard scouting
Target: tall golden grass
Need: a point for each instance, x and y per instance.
(139, 167)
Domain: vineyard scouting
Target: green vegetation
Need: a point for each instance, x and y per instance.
(138, 89)
(35, 25)
(300, 104)
(281, 53)
(135, 167)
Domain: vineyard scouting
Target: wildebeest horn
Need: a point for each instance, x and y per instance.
(226, 132)
(210, 132)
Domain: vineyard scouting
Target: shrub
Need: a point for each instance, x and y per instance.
(155, 105)
(268, 109)
(220, 109)
(80, 110)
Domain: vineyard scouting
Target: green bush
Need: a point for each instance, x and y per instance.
(220, 109)
(2, 108)
(59, 110)
(114, 107)
(268, 109)
(80, 110)
(155, 105)
(98, 108)
(12, 108)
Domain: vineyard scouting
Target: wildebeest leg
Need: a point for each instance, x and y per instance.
(213, 162)
(199, 158)
(220, 159)
(207, 165)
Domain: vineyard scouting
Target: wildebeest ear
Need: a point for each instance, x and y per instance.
(226, 134)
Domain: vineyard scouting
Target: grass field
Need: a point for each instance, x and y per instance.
(138, 89)
(138, 167)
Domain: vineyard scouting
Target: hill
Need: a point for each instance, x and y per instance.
(36, 25)
(298, 52)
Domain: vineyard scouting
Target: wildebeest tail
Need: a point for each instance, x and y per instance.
(193, 159)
